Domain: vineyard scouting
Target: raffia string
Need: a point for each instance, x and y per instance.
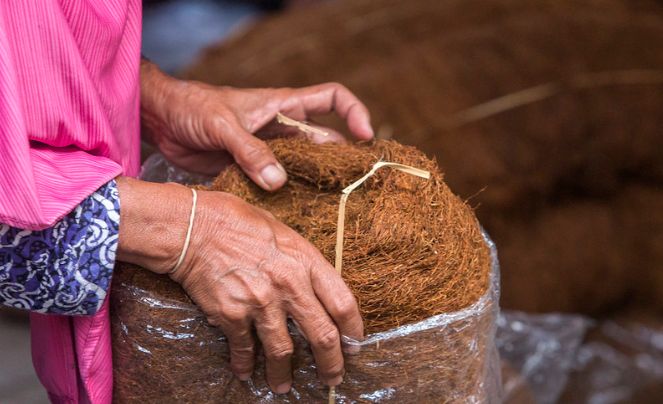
(340, 225)
(284, 120)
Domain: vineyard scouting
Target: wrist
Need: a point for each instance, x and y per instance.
(153, 223)
(155, 91)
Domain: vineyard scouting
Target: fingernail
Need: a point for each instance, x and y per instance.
(244, 376)
(282, 388)
(273, 175)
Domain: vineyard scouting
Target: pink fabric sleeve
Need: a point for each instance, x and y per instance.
(68, 104)
(69, 122)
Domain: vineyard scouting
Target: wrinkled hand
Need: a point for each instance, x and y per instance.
(202, 128)
(246, 269)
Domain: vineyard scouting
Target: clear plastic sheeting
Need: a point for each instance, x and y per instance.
(538, 352)
(556, 358)
(621, 362)
(165, 351)
(157, 169)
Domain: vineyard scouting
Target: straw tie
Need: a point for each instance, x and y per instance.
(345, 194)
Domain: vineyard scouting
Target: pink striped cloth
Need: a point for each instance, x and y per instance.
(68, 103)
(69, 122)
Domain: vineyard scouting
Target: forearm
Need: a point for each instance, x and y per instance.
(154, 223)
(154, 86)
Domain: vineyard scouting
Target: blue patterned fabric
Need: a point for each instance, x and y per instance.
(65, 269)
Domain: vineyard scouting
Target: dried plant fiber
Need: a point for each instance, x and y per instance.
(414, 256)
(537, 110)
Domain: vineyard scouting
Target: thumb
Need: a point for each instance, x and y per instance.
(256, 159)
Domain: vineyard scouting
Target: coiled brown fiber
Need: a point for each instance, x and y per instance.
(537, 110)
(412, 248)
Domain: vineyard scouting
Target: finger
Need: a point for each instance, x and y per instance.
(337, 299)
(206, 162)
(272, 329)
(328, 97)
(241, 345)
(276, 130)
(331, 136)
(254, 157)
(322, 335)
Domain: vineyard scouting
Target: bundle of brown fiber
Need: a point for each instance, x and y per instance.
(412, 249)
(414, 256)
(532, 108)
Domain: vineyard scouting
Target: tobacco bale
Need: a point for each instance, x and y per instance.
(529, 106)
(412, 251)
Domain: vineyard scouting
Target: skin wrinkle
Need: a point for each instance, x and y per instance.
(241, 282)
(243, 267)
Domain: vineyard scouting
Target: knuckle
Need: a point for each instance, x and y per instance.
(263, 296)
(241, 365)
(280, 352)
(242, 362)
(214, 321)
(346, 308)
(241, 368)
(235, 318)
(254, 151)
(241, 351)
(219, 124)
(283, 280)
(334, 85)
(333, 371)
(215, 317)
(327, 339)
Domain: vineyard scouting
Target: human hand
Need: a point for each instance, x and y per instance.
(245, 270)
(202, 128)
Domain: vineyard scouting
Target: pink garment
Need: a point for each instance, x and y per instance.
(69, 122)
(68, 103)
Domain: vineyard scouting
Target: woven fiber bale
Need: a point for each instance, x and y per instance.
(414, 257)
(530, 107)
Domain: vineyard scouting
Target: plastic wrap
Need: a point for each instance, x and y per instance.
(551, 358)
(621, 362)
(165, 351)
(538, 353)
(157, 169)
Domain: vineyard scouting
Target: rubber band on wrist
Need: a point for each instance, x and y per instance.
(185, 248)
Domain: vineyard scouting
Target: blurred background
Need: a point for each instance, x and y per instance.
(546, 116)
